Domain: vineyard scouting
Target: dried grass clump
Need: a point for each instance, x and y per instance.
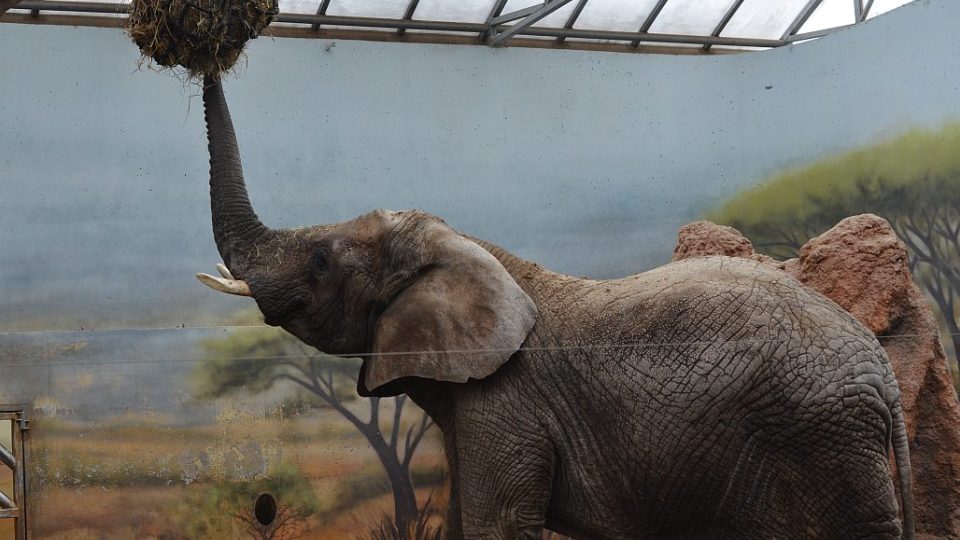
(204, 36)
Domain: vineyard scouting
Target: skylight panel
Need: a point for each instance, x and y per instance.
(764, 19)
(299, 6)
(384, 9)
(619, 15)
(557, 19)
(474, 11)
(690, 17)
(882, 6)
(830, 14)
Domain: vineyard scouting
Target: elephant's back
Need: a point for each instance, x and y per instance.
(726, 297)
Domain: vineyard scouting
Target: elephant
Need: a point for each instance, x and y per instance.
(708, 398)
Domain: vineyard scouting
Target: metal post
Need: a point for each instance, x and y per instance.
(724, 21)
(572, 19)
(322, 10)
(648, 22)
(801, 18)
(495, 12)
(408, 14)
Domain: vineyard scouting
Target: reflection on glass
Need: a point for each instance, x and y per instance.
(201, 422)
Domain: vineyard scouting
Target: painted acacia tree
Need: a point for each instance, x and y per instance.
(257, 361)
(912, 181)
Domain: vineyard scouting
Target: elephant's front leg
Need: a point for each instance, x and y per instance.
(502, 480)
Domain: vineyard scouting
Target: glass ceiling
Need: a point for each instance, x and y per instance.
(701, 25)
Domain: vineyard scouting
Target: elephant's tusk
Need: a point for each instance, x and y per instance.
(229, 286)
(224, 271)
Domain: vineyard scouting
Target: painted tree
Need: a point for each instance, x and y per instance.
(912, 181)
(259, 360)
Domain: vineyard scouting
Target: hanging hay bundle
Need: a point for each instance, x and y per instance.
(204, 36)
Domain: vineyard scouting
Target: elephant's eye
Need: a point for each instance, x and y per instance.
(320, 262)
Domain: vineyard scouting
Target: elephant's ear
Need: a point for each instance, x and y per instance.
(461, 317)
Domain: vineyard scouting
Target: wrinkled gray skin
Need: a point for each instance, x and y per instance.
(709, 398)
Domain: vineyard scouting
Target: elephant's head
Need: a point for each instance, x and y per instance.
(403, 288)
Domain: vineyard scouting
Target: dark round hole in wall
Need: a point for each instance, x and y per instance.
(265, 509)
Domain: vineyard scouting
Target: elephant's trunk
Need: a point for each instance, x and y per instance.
(236, 227)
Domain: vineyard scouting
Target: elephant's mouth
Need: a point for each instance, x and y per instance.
(226, 284)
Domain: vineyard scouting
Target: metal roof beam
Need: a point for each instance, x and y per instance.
(801, 18)
(572, 19)
(815, 34)
(857, 9)
(648, 22)
(717, 30)
(866, 11)
(495, 12)
(360, 23)
(530, 19)
(321, 10)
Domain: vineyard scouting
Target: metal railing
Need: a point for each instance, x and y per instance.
(13, 505)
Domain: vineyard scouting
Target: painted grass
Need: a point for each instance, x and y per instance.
(901, 161)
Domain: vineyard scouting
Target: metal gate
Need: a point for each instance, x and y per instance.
(13, 477)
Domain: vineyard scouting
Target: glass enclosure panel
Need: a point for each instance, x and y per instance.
(830, 14)
(145, 420)
(391, 9)
(767, 19)
(475, 11)
(162, 409)
(696, 17)
(620, 15)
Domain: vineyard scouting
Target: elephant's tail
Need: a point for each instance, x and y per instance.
(901, 454)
